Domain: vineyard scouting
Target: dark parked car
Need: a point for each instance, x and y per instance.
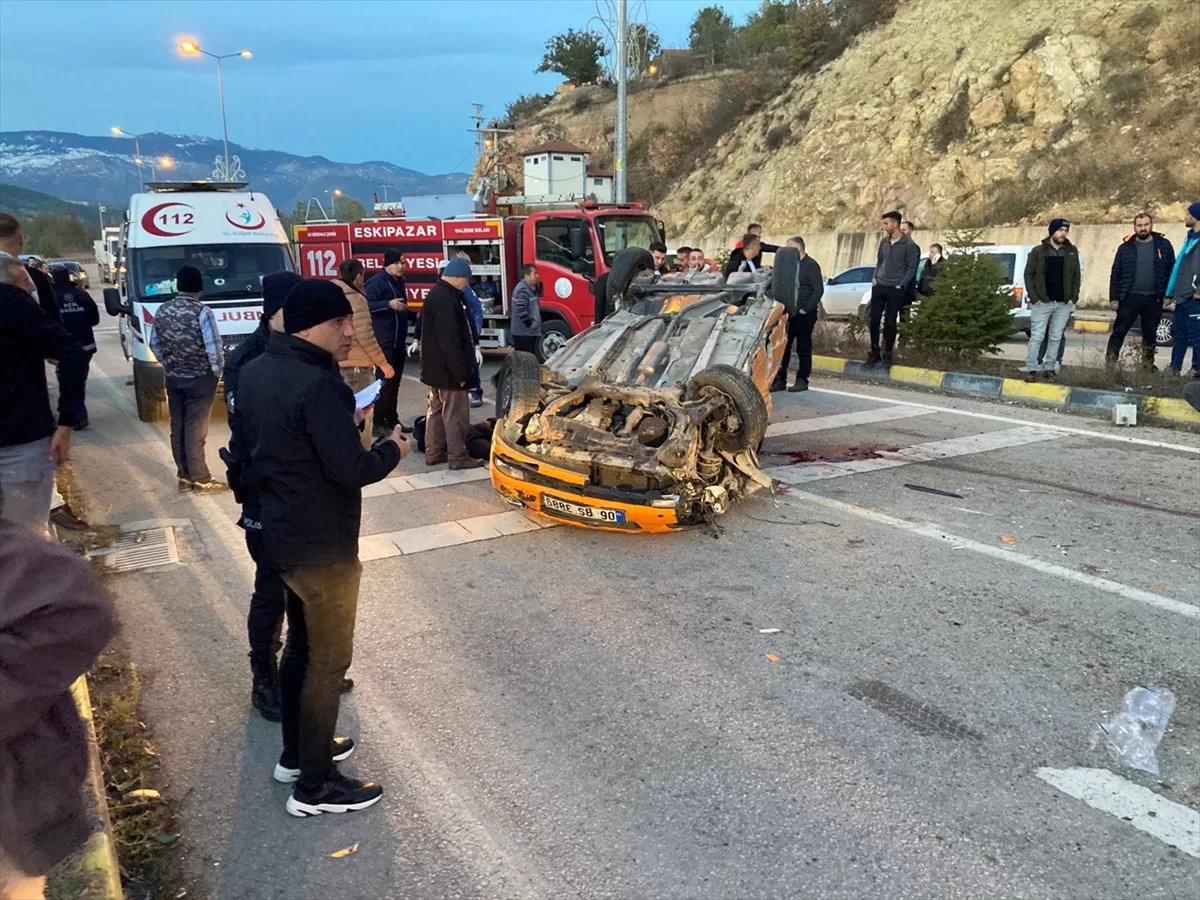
(78, 274)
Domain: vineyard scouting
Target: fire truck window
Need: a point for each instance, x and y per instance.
(554, 244)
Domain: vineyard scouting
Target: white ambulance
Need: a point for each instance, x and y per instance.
(231, 234)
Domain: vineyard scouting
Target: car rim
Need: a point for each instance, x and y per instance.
(552, 342)
(1164, 332)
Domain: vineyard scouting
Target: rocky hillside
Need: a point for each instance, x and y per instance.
(968, 113)
(962, 113)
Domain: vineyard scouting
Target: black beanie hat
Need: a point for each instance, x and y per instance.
(1056, 224)
(392, 256)
(311, 302)
(275, 289)
(188, 280)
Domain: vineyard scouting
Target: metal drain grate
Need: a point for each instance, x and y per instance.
(141, 550)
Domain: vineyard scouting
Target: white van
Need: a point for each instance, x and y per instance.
(232, 235)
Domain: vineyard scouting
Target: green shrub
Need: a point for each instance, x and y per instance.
(967, 315)
(526, 106)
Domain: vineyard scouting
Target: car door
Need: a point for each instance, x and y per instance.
(844, 291)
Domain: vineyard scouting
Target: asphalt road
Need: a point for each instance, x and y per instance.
(847, 690)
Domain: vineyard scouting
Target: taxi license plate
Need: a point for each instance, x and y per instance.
(599, 514)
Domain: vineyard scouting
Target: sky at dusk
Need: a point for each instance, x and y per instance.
(351, 80)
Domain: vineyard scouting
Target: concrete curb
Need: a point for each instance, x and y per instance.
(1098, 325)
(1164, 410)
(93, 871)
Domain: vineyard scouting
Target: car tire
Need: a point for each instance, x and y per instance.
(519, 390)
(555, 333)
(150, 397)
(785, 278)
(628, 265)
(747, 402)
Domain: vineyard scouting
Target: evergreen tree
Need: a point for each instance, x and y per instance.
(967, 315)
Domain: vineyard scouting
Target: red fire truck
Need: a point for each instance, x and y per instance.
(571, 248)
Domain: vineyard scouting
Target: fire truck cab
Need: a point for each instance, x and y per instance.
(571, 247)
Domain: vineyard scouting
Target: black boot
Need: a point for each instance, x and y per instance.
(264, 695)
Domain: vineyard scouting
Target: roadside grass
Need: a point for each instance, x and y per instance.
(145, 818)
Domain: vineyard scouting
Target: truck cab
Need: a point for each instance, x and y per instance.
(572, 248)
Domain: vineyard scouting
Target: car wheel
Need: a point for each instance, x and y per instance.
(628, 265)
(519, 392)
(785, 278)
(1164, 336)
(555, 334)
(746, 401)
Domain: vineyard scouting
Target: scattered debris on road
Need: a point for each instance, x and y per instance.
(1008, 538)
(1133, 734)
(345, 851)
(929, 490)
(771, 657)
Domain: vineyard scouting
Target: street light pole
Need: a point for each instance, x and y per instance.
(137, 152)
(224, 125)
(191, 48)
(622, 79)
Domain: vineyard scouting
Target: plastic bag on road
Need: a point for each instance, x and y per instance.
(1133, 734)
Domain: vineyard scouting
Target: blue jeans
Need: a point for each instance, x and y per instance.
(27, 484)
(1046, 320)
(190, 401)
(1185, 332)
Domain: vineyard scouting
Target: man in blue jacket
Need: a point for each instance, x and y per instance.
(388, 303)
(1137, 286)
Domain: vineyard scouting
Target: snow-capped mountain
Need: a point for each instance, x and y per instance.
(82, 167)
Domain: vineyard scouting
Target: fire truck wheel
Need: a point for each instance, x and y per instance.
(519, 393)
(628, 264)
(555, 334)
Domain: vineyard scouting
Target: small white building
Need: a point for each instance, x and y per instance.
(600, 185)
(556, 168)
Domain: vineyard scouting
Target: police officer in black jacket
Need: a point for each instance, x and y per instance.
(264, 622)
(309, 467)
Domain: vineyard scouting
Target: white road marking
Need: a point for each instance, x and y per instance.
(935, 532)
(918, 453)
(402, 484)
(843, 420)
(448, 534)
(1170, 822)
(1014, 421)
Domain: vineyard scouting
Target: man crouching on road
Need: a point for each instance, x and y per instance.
(299, 420)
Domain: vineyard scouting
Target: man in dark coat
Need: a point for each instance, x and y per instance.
(1137, 286)
(810, 288)
(387, 300)
(264, 622)
(12, 242)
(32, 443)
(54, 621)
(309, 467)
(447, 356)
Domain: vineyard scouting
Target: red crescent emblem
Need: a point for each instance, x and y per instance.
(149, 225)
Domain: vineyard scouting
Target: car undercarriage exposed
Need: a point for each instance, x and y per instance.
(659, 409)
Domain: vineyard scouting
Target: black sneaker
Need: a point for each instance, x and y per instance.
(778, 386)
(338, 794)
(183, 486)
(347, 685)
(800, 384)
(287, 771)
(63, 517)
(1031, 376)
(476, 399)
(873, 358)
(886, 359)
(1051, 376)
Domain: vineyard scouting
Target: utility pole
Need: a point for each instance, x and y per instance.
(622, 80)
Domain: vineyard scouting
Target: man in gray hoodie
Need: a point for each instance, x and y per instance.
(895, 268)
(526, 313)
